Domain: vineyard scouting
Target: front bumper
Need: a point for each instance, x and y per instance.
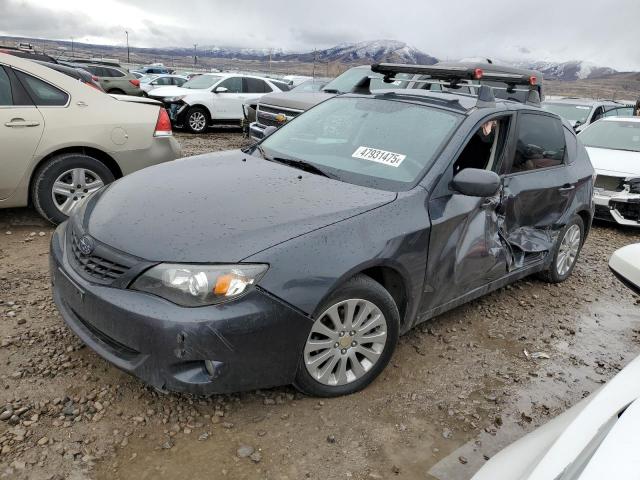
(254, 342)
(256, 131)
(620, 207)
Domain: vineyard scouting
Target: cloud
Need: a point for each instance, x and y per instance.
(601, 31)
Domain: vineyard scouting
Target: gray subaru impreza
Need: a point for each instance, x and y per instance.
(301, 259)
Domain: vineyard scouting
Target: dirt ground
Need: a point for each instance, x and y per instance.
(458, 388)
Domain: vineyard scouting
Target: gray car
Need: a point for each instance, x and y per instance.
(116, 80)
(582, 112)
(301, 259)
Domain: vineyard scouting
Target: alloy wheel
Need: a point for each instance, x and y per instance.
(197, 121)
(72, 186)
(568, 250)
(345, 342)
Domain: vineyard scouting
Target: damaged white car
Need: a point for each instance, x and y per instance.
(614, 150)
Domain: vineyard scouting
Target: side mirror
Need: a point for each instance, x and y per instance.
(268, 131)
(475, 182)
(220, 90)
(625, 264)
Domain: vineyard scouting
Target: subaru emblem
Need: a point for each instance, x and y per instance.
(86, 245)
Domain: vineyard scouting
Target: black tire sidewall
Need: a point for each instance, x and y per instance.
(116, 91)
(46, 175)
(553, 274)
(365, 288)
(190, 112)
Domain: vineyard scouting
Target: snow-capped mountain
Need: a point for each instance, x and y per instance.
(375, 51)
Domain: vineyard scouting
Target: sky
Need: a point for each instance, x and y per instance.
(605, 32)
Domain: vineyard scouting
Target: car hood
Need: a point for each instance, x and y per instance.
(173, 91)
(297, 101)
(620, 163)
(219, 207)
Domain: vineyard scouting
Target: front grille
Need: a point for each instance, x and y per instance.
(123, 350)
(611, 184)
(267, 121)
(96, 266)
(603, 213)
(629, 211)
(266, 115)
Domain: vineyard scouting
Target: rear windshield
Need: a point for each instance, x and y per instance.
(202, 81)
(614, 135)
(349, 79)
(374, 142)
(572, 112)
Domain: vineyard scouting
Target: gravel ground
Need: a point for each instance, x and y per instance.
(457, 389)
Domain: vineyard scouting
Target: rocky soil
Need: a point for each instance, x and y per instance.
(458, 388)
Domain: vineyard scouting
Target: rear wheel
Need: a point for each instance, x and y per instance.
(60, 184)
(351, 340)
(566, 251)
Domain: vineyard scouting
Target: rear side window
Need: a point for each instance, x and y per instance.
(5, 89)
(42, 93)
(112, 72)
(540, 143)
(178, 81)
(255, 85)
(282, 86)
(163, 81)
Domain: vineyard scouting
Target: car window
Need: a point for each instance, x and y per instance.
(178, 81)
(201, 82)
(619, 112)
(575, 113)
(6, 98)
(42, 93)
(112, 72)
(255, 85)
(162, 81)
(281, 85)
(485, 147)
(367, 141)
(232, 84)
(540, 143)
(616, 135)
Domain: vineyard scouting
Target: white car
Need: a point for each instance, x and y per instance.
(613, 145)
(599, 438)
(153, 81)
(212, 98)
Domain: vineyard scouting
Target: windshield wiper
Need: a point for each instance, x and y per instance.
(301, 165)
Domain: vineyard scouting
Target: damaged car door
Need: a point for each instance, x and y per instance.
(538, 189)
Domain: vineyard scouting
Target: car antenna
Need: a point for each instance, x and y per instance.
(486, 99)
(363, 87)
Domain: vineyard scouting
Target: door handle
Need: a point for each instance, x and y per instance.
(567, 187)
(20, 122)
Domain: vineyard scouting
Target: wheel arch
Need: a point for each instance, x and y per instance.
(98, 154)
(586, 217)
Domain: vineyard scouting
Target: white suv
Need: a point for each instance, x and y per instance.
(213, 98)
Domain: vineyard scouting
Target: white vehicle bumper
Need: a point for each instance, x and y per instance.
(621, 207)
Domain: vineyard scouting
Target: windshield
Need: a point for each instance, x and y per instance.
(345, 82)
(202, 81)
(375, 142)
(570, 111)
(614, 135)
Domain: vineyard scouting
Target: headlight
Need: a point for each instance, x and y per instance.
(174, 99)
(197, 285)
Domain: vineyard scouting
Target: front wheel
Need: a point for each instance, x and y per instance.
(566, 251)
(351, 340)
(197, 120)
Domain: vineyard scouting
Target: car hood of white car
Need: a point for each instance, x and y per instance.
(595, 439)
(618, 163)
(173, 91)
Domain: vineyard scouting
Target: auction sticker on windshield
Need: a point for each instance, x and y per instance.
(380, 156)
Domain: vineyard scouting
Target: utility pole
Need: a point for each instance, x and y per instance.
(314, 64)
(128, 58)
(195, 57)
(270, 51)
(72, 47)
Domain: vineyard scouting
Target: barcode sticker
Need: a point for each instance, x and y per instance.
(390, 159)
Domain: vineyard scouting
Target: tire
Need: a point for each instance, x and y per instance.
(560, 271)
(196, 120)
(116, 91)
(61, 171)
(329, 370)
